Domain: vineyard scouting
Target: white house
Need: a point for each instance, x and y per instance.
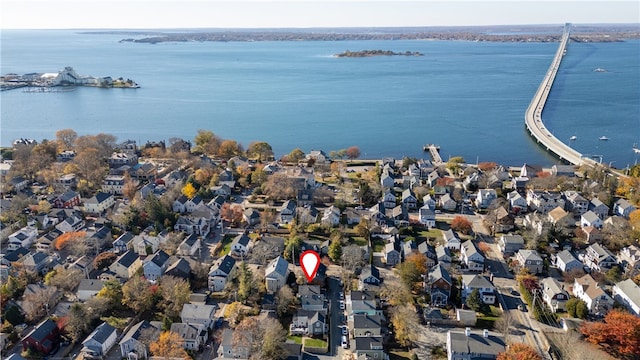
(623, 208)
(99, 342)
(531, 260)
(189, 246)
(629, 257)
(468, 346)
(276, 274)
(553, 294)
(451, 240)
(155, 265)
(482, 283)
(89, 288)
(590, 219)
(22, 238)
(220, 272)
(241, 245)
(199, 314)
(471, 256)
(588, 290)
(131, 348)
(565, 261)
(331, 216)
(427, 216)
(485, 197)
(599, 208)
(599, 258)
(194, 335)
(99, 203)
(627, 293)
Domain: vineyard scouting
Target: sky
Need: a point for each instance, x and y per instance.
(158, 14)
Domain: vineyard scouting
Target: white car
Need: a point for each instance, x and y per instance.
(345, 344)
(342, 305)
(341, 295)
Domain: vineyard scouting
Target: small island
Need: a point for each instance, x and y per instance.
(368, 53)
(44, 82)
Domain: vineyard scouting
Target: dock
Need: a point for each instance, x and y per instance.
(533, 116)
(434, 151)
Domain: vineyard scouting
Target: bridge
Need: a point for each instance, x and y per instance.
(533, 115)
(434, 151)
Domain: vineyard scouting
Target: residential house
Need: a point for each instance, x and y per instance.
(89, 288)
(24, 237)
(37, 262)
(219, 273)
(443, 256)
(121, 244)
(627, 293)
(438, 284)
(588, 290)
(530, 171)
(43, 338)
(565, 261)
(407, 248)
(67, 181)
(230, 349)
(575, 203)
(99, 342)
(221, 190)
(45, 242)
(623, 208)
(113, 184)
(510, 243)
(179, 269)
(143, 171)
(482, 283)
(99, 203)
(199, 314)
(369, 348)
(409, 200)
(241, 245)
(276, 274)
(563, 170)
(427, 216)
(599, 208)
(451, 240)
(362, 302)
(369, 278)
(365, 325)
(189, 246)
(519, 183)
(179, 204)
(307, 214)
(67, 200)
(126, 265)
(554, 294)
(504, 221)
(530, 260)
(629, 257)
(251, 216)
(331, 216)
(389, 199)
(288, 212)
(318, 155)
(155, 265)
(599, 258)
(517, 203)
(194, 335)
(118, 159)
(485, 197)
(590, 219)
(132, 346)
(84, 264)
(447, 203)
(429, 251)
(194, 225)
(471, 256)
(429, 202)
(70, 224)
(391, 254)
(432, 178)
(544, 201)
(19, 183)
(307, 322)
(468, 346)
(560, 218)
(312, 299)
(386, 181)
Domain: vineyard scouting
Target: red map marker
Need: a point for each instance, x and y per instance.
(309, 262)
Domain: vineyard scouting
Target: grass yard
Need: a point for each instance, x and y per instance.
(359, 240)
(431, 233)
(317, 343)
(378, 244)
(226, 245)
(296, 339)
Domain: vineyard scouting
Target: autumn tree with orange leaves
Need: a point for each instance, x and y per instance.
(619, 333)
(169, 345)
(67, 238)
(519, 351)
(461, 224)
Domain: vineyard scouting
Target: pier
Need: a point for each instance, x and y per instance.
(533, 116)
(434, 151)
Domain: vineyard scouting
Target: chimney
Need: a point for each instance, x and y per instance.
(467, 331)
(485, 333)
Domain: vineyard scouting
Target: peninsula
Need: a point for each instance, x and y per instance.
(65, 77)
(368, 53)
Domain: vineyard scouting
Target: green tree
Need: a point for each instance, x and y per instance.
(295, 155)
(335, 250)
(207, 142)
(260, 150)
(571, 306)
(474, 300)
(582, 310)
(245, 278)
(292, 247)
(614, 274)
(137, 295)
(174, 293)
(13, 315)
(112, 291)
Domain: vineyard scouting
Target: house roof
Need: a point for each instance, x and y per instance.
(566, 256)
(631, 290)
(126, 237)
(16, 254)
(512, 239)
(190, 240)
(127, 258)
(551, 287)
(99, 198)
(368, 343)
(475, 344)
(470, 248)
(159, 258)
(136, 330)
(101, 333)
(590, 217)
(473, 281)
(557, 214)
(181, 265)
(623, 203)
(195, 311)
(187, 331)
(241, 239)
(442, 251)
(439, 272)
(370, 271)
(602, 252)
(531, 255)
(42, 330)
(90, 285)
(277, 266)
(595, 202)
(364, 321)
(224, 264)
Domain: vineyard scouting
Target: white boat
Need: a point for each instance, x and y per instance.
(604, 138)
(572, 138)
(635, 148)
(599, 70)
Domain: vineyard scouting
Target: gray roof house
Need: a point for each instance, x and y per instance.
(554, 294)
(531, 260)
(276, 274)
(627, 293)
(369, 348)
(366, 325)
(155, 265)
(471, 256)
(198, 314)
(131, 347)
(89, 288)
(362, 302)
(219, 272)
(241, 245)
(623, 208)
(511, 243)
(312, 299)
(99, 342)
(598, 207)
(391, 254)
(467, 345)
(126, 265)
(566, 262)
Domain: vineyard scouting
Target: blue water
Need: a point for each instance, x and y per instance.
(468, 97)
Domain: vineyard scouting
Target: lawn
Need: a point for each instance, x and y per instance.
(316, 343)
(296, 339)
(359, 240)
(431, 233)
(378, 245)
(226, 245)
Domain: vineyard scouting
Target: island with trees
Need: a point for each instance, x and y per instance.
(368, 53)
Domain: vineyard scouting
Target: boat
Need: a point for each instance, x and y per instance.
(599, 70)
(635, 148)
(604, 138)
(573, 137)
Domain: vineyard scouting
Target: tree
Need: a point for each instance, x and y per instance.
(90, 165)
(65, 239)
(285, 300)
(39, 302)
(352, 258)
(295, 155)
(619, 332)
(613, 275)
(461, 224)
(65, 279)
(207, 142)
(396, 293)
(412, 269)
(129, 188)
(260, 150)
(169, 345)
(362, 229)
(519, 351)
(503, 325)
(474, 300)
(335, 250)
(66, 138)
(78, 322)
(406, 324)
(104, 259)
(453, 165)
(582, 310)
(229, 149)
(137, 295)
(353, 152)
(273, 340)
(245, 277)
(189, 190)
(174, 294)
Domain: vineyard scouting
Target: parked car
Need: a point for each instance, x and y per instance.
(342, 305)
(345, 330)
(345, 344)
(341, 294)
